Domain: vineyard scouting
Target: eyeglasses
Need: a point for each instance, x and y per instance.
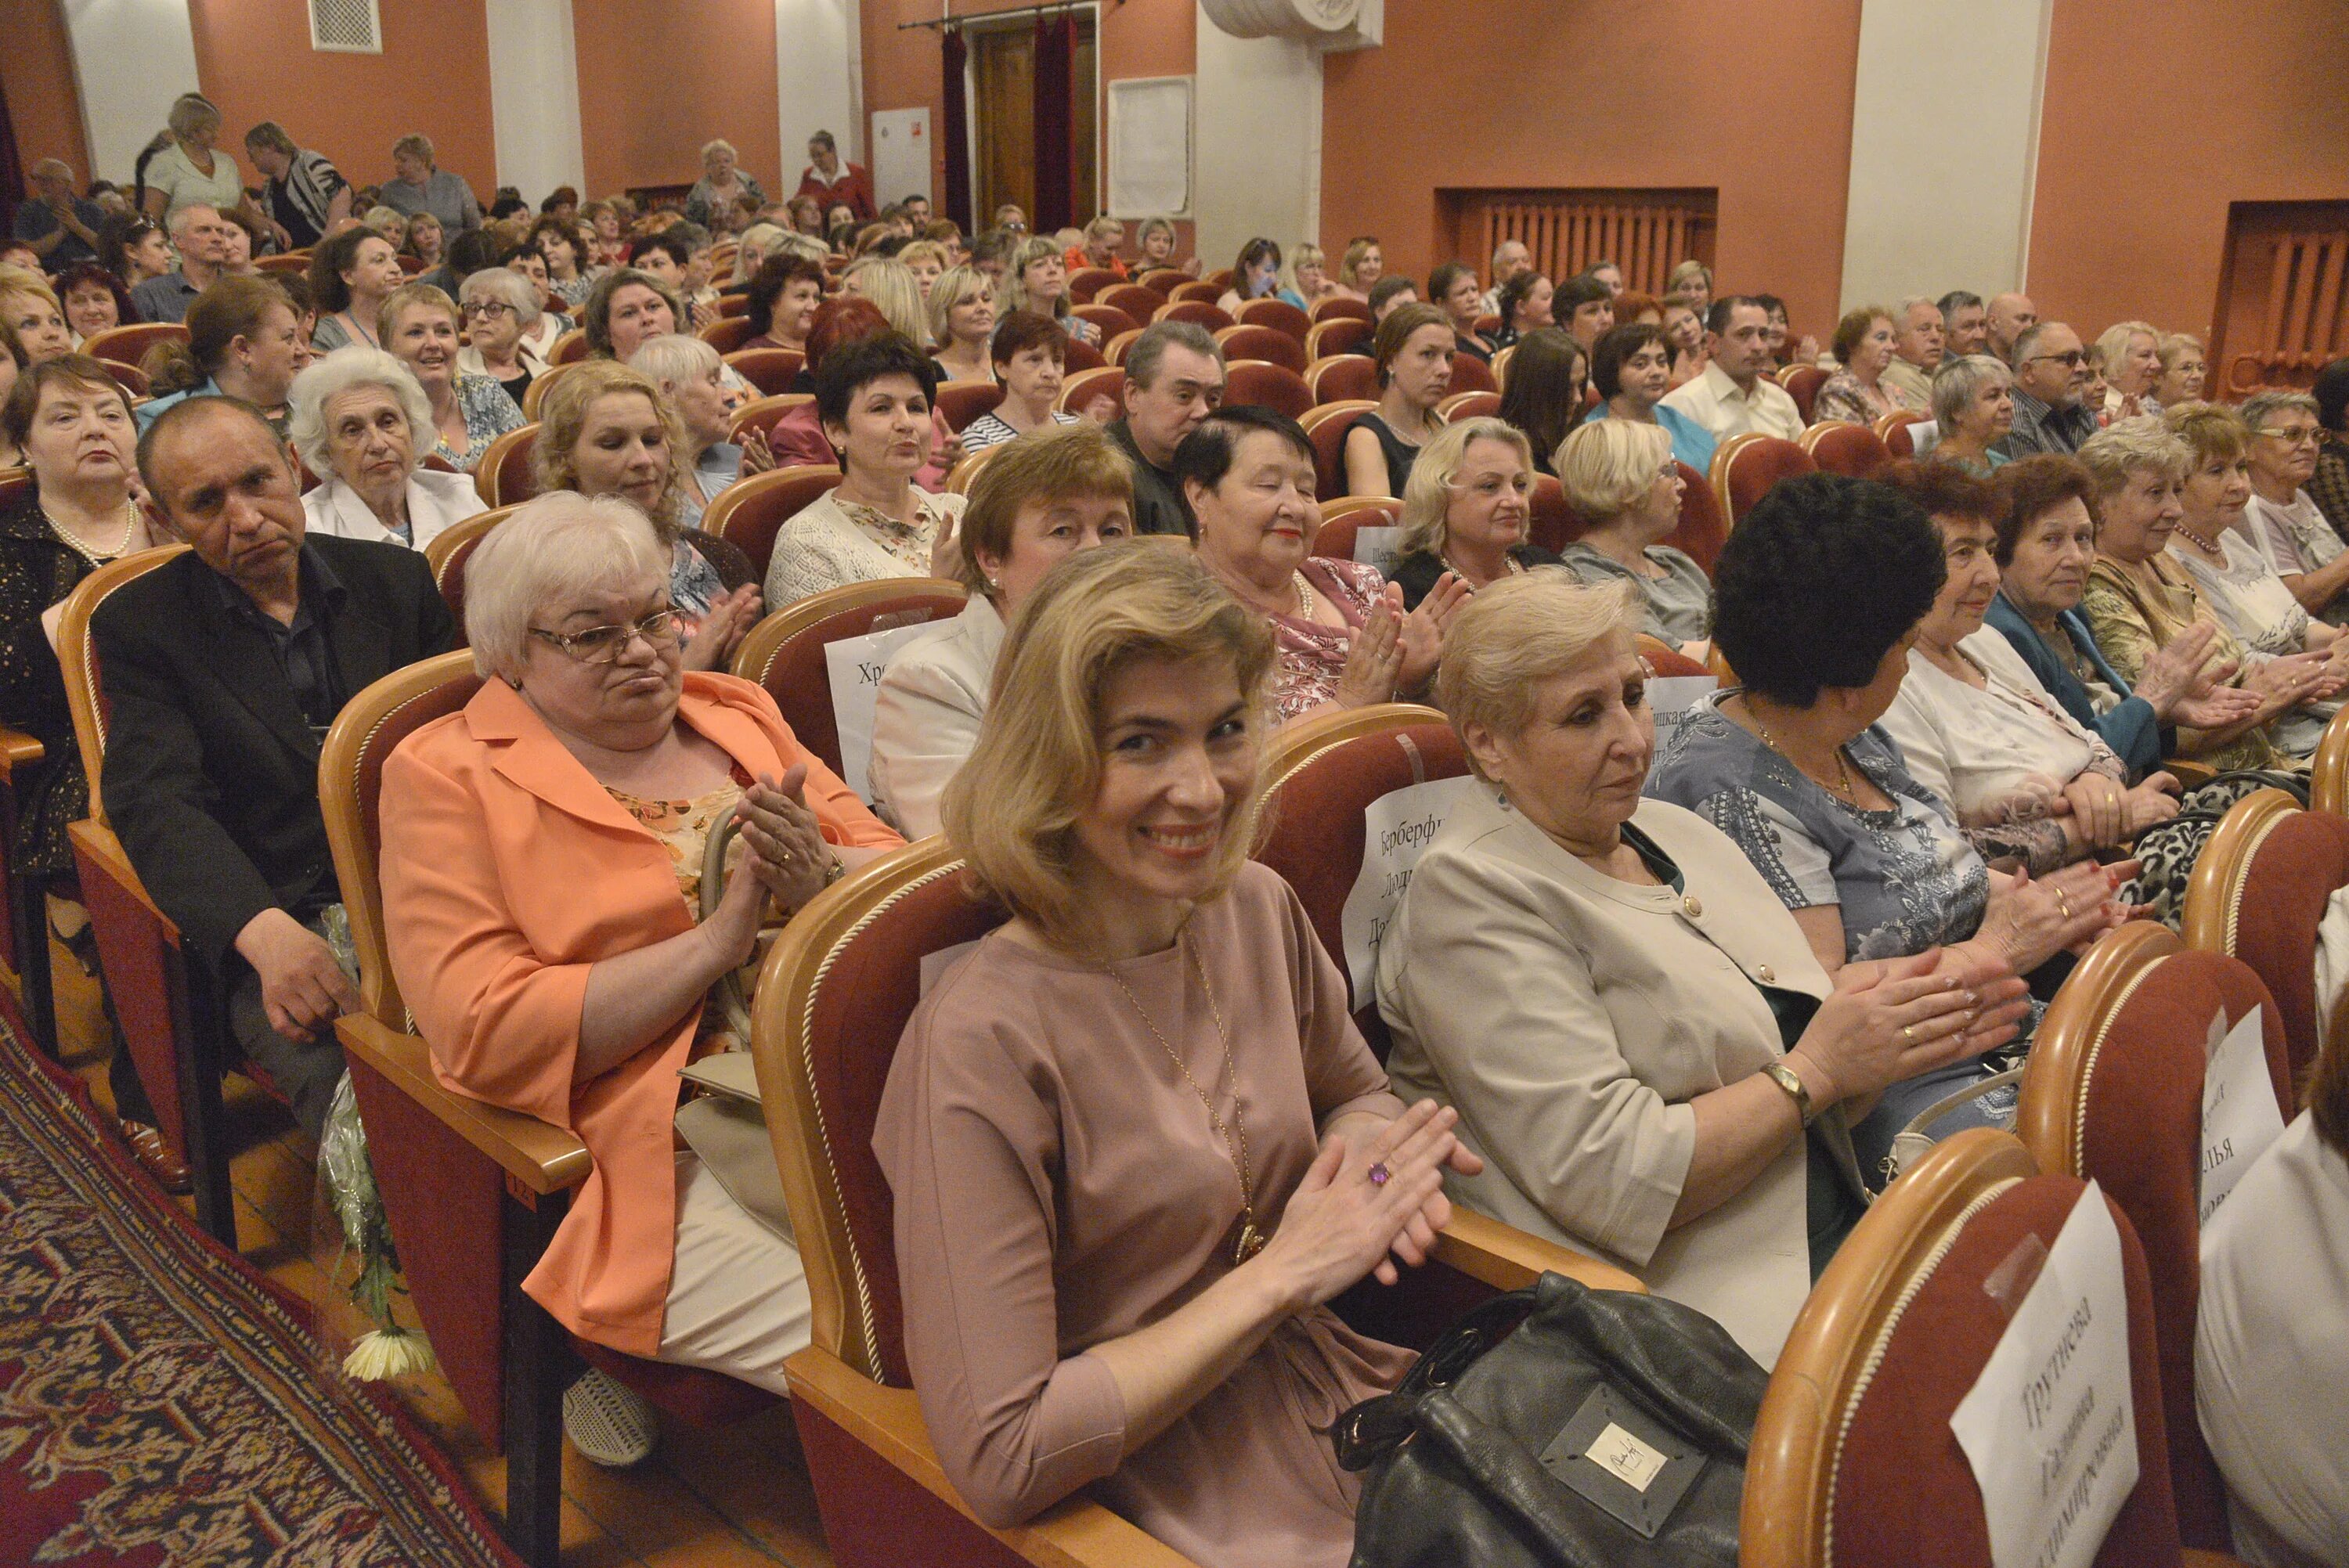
(487, 309)
(2075, 358)
(2305, 436)
(604, 645)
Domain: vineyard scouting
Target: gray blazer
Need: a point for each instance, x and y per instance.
(1571, 1018)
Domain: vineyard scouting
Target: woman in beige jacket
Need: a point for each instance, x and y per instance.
(1633, 1028)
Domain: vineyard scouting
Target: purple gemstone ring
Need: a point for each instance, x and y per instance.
(1379, 1174)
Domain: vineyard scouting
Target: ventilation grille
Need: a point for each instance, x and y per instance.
(346, 26)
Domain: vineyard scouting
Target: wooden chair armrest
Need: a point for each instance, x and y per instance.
(17, 749)
(543, 1158)
(1074, 1533)
(1507, 1258)
(2192, 775)
(98, 842)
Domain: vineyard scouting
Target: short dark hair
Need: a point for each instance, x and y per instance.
(1617, 344)
(336, 255)
(855, 366)
(669, 241)
(474, 251)
(1445, 278)
(1577, 292)
(2331, 392)
(1853, 329)
(1021, 330)
(1719, 315)
(1387, 287)
(1512, 295)
(179, 414)
(2028, 487)
(766, 285)
(78, 371)
(1957, 299)
(1205, 454)
(1943, 489)
(1819, 581)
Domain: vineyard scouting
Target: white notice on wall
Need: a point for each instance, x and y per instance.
(2239, 1115)
(1150, 147)
(2049, 1427)
(1396, 830)
(855, 665)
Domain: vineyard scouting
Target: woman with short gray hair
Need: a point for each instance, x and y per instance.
(1973, 407)
(2132, 355)
(417, 187)
(501, 310)
(362, 423)
(721, 185)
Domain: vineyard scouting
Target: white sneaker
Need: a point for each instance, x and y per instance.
(608, 1422)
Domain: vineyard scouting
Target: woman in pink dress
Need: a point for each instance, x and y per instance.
(1135, 1141)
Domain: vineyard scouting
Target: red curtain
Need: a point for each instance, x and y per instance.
(957, 131)
(1056, 71)
(12, 172)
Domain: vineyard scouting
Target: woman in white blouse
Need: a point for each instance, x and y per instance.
(873, 400)
(1035, 503)
(2025, 781)
(359, 420)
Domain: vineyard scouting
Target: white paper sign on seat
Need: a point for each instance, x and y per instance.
(1396, 830)
(2240, 1114)
(856, 665)
(2050, 1427)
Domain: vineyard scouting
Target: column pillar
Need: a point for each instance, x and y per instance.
(535, 97)
(131, 58)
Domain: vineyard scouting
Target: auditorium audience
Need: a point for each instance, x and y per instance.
(874, 396)
(2045, 543)
(2182, 369)
(1649, 1058)
(501, 312)
(223, 668)
(94, 301)
(2051, 377)
(388, 220)
(1364, 265)
(2132, 358)
(722, 183)
(1343, 637)
(887, 284)
(1524, 305)
(1792, 764)
(1632, 368)
(1965, 327)
(134, 249)
(61, 227)
(962, 325)
(1165, 1342)
(797, 437)
(1030, 354)
(1623, 481)
(2329, 486)
(351, 275)
(35, 317)
(1510, 258)
(2140, 598)
(604, 429)
(416, 186)
(1453, 289)
(1585, 307)
(425, 240)
(1543, 394)
(1037, 280)
(2274, 1265)
(2283, 520)
(688, 372)
(837, 183)
(1255, 274)
(1035, 504)
(359, 420)
(1973, 412)
(624, 308)
(196, 235)
(2004, 320)
(1173, 380)
(543, 854)
(1917, 350)
(1414, 347)
(1736, 392)
(555, 241)
(304, 195)
(1857, 394)
(189, 169)
(420, 326)
(1685, 330)
(1692, 280)
(1467, 510)
(783, 296)
(244, 341)
(1104, 237)
(1308, 274)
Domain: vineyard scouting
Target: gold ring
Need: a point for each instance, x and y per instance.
(1907, 1034)
(2063, 903)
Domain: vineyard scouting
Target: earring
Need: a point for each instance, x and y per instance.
(993, 586)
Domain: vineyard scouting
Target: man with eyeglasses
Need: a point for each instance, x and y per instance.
(2286, 522)
(223, 668)
(2051, 371)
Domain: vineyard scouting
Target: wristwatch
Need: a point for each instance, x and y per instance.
(1786, 1078)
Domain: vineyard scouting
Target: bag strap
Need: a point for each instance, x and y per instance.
(1368, 1432)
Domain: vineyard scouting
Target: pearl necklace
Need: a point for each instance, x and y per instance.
(2209, 546)
(95, 557)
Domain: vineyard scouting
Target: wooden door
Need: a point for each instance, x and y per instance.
(1003, 104)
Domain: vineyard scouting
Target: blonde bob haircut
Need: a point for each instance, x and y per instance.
(1608, 465)
(1012, 809)
(947, 290)
(2126, 446)
(2215, 432)
(549, 555)
(414, 296)
(1427, 498)
(563, 415)
(2116, 339)
(891, 284)
(1061, 462)
(1517, 633)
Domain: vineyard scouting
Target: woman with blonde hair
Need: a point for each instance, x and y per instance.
(1155, 242)
(962, 325)
(927, 259)
(1156, 1002)
(34, 314)
(759, 241)
(1364, 265)
(388, 222)
(2132, 356)
(1621, 478)
(191, 170)
(1308, 275)
(420, 326)
(1692, 280)
(1038, 279)
(891, 284)
(605, 429)
(2183, 370)
(1468, 511)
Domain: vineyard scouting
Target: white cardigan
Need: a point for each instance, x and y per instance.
(435, 501)
(925, 716)
(1572, 1018)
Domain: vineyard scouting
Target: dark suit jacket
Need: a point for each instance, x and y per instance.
(211, 771)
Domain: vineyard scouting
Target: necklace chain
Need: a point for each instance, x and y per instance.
(1843, 786)
(1251, 1238)
(94, 556)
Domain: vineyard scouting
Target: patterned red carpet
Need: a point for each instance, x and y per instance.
(160, 1404)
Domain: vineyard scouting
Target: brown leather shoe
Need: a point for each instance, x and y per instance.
(155, 1156)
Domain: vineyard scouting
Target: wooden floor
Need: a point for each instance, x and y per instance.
(713, 1499)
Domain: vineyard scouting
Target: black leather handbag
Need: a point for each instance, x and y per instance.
(1603, 1430)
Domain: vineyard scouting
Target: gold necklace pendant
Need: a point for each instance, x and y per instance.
(1251, 1240)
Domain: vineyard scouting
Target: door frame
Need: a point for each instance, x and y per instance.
(982, 23)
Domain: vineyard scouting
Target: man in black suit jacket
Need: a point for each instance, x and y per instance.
(224, 669)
